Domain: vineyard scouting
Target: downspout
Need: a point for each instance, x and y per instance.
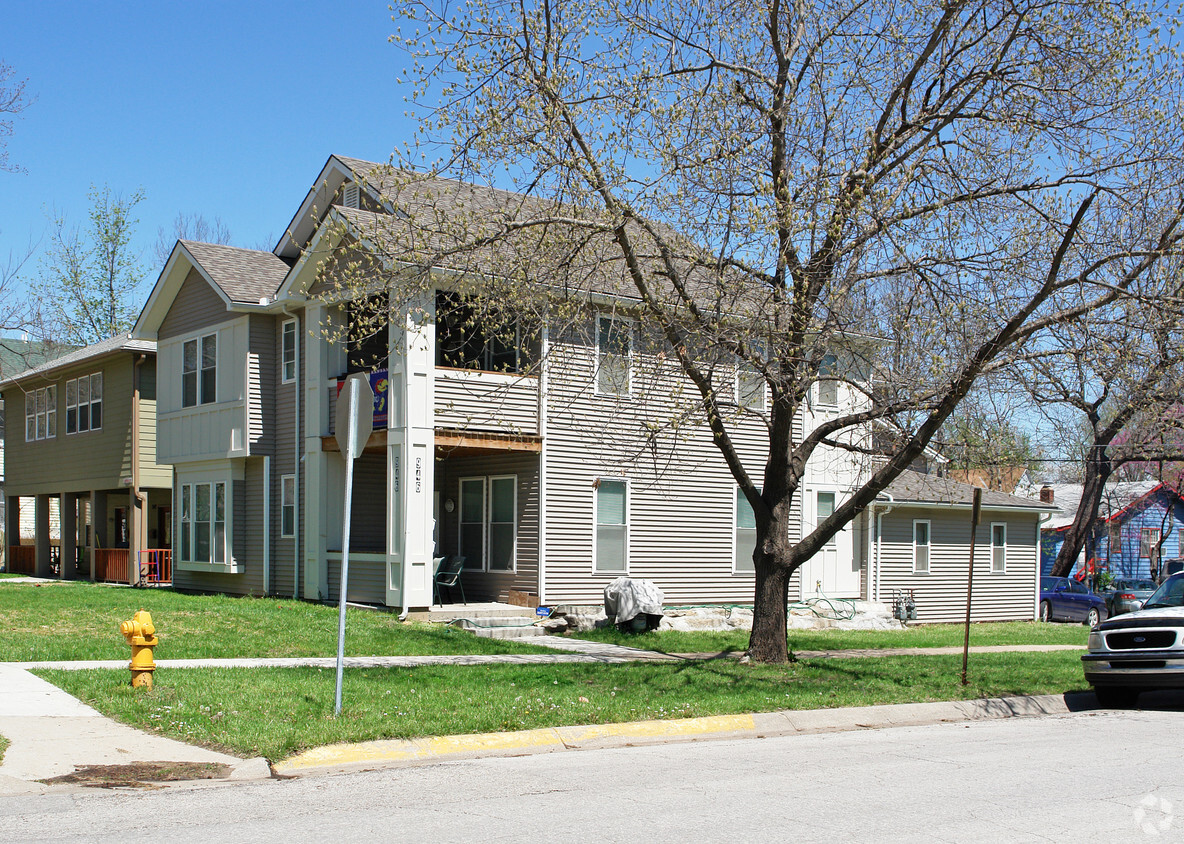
(880, 538)
(141, 497)
(266, 524)
(545, 344)
(295, 455)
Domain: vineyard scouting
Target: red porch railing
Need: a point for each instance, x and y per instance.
(111, 565)
(157, 565)
(22, 559)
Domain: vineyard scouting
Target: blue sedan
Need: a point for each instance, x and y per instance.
(1066, 599)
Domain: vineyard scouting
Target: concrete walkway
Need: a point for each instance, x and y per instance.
(52, 733)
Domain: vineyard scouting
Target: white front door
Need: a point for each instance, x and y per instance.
(833, 571)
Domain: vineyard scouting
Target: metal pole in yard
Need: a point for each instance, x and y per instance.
(975, 508)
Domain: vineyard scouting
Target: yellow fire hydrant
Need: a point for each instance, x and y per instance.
(140, 633)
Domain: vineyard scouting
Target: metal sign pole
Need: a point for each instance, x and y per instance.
(975, 509)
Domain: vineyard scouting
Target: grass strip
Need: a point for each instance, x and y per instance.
(279, 712)
(81, 621)
(921, 636)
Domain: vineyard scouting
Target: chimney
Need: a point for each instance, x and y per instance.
(1046, 494)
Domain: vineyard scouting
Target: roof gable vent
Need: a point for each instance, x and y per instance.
(350, 195)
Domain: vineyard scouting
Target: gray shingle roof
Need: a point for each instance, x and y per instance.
(245, 275)
(930, 489)
(1115, 497)
(120, 342)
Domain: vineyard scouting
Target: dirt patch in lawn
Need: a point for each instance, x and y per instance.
(140, 774)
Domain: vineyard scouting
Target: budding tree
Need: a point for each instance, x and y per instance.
(921, 191)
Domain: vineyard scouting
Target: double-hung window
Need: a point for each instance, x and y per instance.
(612, 527)
(288, 351)
(489, 522)
(199, 371)
(745, 534)
(828, 386)
(999, 547)
(826, 507)
(84, 403)
(287, 505)
(41, 413)
(921, 544)
(203, 522)
(614, 351)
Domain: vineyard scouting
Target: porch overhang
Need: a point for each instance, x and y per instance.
(455, 442)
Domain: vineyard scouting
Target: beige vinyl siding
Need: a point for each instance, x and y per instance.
(941, 594)
(681, 496)
(196, 306)
(244, 546)
(494, 585)
(73, 462)
(486, 401)
(283, 424)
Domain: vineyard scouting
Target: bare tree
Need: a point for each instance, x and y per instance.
(94, 273)
(13, 100)
(897, 198)
(190, 227)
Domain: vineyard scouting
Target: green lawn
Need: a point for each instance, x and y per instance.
(278, 712)
(921, 636)
(81, 621)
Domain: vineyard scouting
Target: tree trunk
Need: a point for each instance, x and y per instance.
(767, 642)
(1097, 471)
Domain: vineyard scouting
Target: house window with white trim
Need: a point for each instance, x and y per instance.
(84, 403)
(41, 413)
(288, 351)
(614, 354)
(203, 522)
(489, 522)
(827, 385)
(826, 507)
(750, 387)
(612, 527)
(745, 534)
(287, 505)
(998, 547)
(921, 544)
(199, 371)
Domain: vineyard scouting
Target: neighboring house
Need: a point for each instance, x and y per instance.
(1138, 525)
(533, 476)
(1015, 480)
(919, 541)
(81, 436)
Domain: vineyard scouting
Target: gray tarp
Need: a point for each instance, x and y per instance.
(626, 598)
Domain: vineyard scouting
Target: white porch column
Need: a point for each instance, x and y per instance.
(315, 477)
(411, 457)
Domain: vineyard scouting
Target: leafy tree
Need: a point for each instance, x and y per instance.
(895, 198)
(93, 274)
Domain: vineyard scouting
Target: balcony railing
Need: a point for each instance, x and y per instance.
(156, 564)
(111, 565)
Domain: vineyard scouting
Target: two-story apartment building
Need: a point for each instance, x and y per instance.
(549, 479)
(81, 435)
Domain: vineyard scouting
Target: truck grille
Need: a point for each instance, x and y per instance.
(1137, 640)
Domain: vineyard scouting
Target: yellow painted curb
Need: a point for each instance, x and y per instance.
(402, 750)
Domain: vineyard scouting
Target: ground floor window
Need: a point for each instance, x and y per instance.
(999, 547)
(489, 522)
(203, 522)
(612, 527)
(745, 534)
(287, 505)
(921, 546)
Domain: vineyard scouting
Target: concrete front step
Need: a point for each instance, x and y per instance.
(503, 627)
(451, 612)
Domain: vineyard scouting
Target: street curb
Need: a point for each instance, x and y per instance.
(397, 752)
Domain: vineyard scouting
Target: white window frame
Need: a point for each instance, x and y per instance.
(749, 566)
(41, 424)
(928, 546)
(185, 529)
(486, 522)
(747, 396)
(624, 570)
(288, 361)
(630, 325)
(833, 542)
(287, 504)
(999, 552)
(828, 369)
(1148, 540)
(199, 371)
(72, 405)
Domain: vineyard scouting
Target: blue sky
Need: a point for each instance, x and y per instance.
(226, 109)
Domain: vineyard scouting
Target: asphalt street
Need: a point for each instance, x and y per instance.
(1087, 776)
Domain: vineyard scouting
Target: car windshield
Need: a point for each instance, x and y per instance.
(1141, 585)
(1170, 594)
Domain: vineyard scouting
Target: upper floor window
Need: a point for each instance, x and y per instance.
(84, 403)
(41, 413)
(199, 371)
(482, 339)
(288, 351)
(999, 546)
(614, 349)
(828, 386)
(921, 546)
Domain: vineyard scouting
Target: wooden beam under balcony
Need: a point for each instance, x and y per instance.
(452, 441)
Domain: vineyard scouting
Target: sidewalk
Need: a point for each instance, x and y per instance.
(52, 733)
